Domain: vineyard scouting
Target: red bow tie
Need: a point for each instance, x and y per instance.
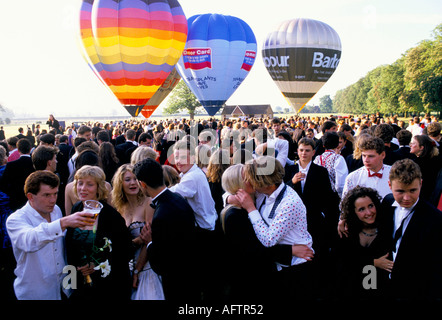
(379, 175)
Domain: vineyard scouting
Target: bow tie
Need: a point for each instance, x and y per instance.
(376, 174)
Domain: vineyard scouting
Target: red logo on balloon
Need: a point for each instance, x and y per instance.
(197, 58)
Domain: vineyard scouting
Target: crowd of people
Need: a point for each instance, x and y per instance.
(247, 209)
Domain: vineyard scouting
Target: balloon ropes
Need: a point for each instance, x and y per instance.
(219, 54)
(133, 45)
(300, 56)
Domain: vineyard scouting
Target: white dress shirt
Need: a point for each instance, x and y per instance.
(282, 146)
(195, 188)
(360, 178)
(304, 171)
(38, 248)
(401, 213)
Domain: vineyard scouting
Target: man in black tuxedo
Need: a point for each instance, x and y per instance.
(13, 180)
(416, 226)
(312, 184)
(385, 132)
(171, 237)
(121, 149)
(404, 138)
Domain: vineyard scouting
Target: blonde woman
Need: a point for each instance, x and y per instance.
(135, 208)
(71, 196)
(90, 184)
(141, 153)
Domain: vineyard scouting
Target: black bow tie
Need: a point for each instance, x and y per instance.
(154, 205)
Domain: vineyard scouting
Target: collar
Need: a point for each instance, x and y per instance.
(370, 172)
(307, 167)
(156, 197)
(406, 210)
(192, 168)
(276, 192)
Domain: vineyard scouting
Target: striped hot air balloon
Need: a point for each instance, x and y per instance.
(300, 56)
(133, 45)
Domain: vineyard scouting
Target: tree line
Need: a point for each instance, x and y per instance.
(412, 84)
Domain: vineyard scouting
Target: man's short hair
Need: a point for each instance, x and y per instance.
(384, 131)
(327, 125)
(308, 142)
(78, 141)
(37, 178)
(130, 134)
(433, 129)
(103, 135)
(404, 137)
(83, 129)
(372, 143)
(258, 180)
(48, 138)
(12, 141)
(276, 120)
(24, 146)
(95, 130)
(330, 140)
(144, 137)
(41, 156)
(150, 172)
(405, 171)
(63, 138)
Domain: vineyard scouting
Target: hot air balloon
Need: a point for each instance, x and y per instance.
(168, 85)
(220, 51)
(133, 45)
(300, 56)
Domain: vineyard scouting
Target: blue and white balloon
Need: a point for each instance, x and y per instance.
(219, 54)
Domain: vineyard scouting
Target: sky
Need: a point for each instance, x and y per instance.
(42, 71)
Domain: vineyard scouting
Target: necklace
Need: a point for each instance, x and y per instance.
(370, 234)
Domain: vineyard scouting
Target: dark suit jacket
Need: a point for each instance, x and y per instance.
(171, 253)
(62, 161)
(247, 259)
(417, 268)
(13, 181)
(121, 149)
(116, 286)
(321, 203)
(404, 153)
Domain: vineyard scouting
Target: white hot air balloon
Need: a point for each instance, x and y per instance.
(300, 56)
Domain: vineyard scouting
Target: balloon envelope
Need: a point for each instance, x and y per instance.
(168, 85)
(220, 51)
(133, 45)
(300, 56)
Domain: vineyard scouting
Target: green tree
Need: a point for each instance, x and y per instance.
(182, 98)
(326, 104)
(423, 69)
